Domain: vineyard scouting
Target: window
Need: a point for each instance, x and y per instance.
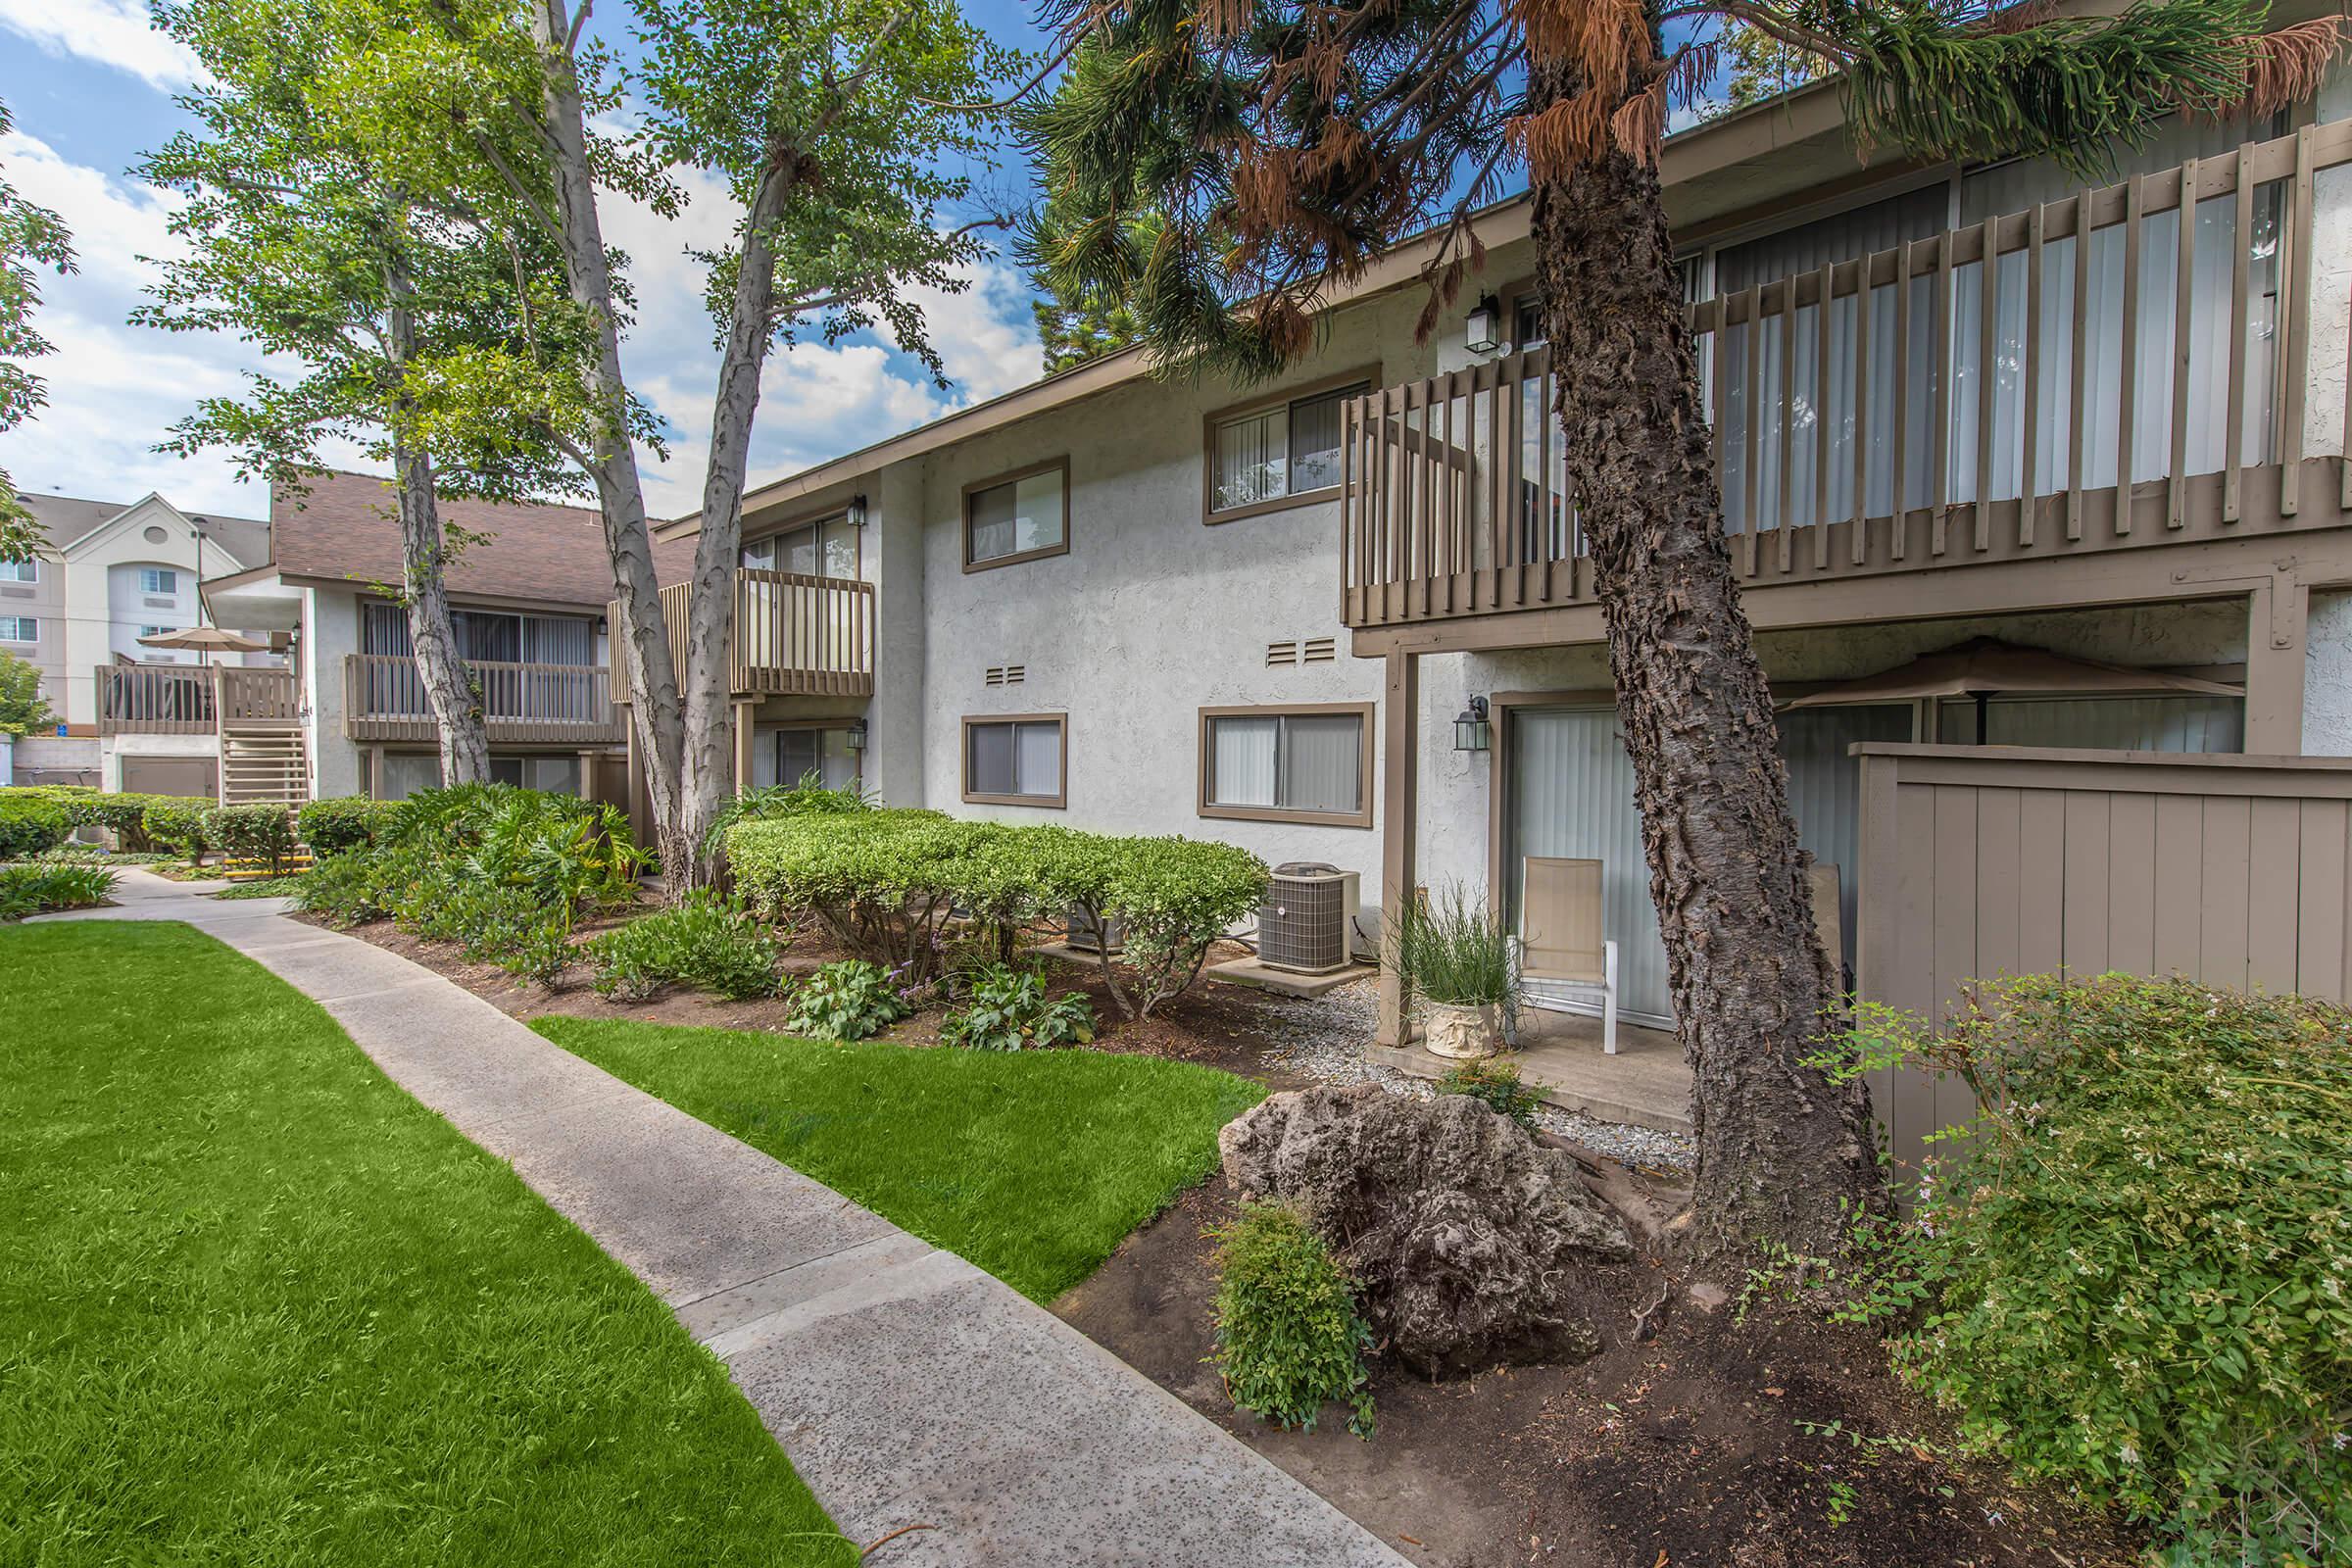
(156, 631)
(20, 571)
(790, 753)
(825, 549)
(1288, 764)
(158, 580)
(1277, 455)
(1015, 760)
(20, 629)
(1018, 516)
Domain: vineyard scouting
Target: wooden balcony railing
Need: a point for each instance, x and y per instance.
(384, 700)
(195, 698)
(793, 635)
(2001, 391)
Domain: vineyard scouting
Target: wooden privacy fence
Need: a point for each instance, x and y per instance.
(1979, 861)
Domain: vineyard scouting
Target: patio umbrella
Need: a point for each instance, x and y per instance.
(1983, 666)
(206, 639)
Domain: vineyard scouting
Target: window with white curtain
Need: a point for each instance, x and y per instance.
(824, 549)
(1022, 517)
(1015, 760)
(1295, 764)
(1288, 451)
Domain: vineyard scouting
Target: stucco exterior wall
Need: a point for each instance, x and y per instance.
(2328, 675)
(331, 629)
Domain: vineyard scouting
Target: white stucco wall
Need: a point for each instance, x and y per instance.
(2328, 675)
(331, 629)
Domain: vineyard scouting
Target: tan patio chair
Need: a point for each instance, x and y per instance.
(1566, 959)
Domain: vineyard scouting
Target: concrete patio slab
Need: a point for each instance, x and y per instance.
(1646, 1084)
(912, 1390)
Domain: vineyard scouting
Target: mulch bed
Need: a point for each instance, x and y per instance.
(1689, 1449)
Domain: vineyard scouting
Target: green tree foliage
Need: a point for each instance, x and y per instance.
(23, 707)
(1763, 67)
(32, 238)
(1079, 323)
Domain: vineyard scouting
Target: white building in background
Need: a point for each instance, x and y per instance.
(109, 574)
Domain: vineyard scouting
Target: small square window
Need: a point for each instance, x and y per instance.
(1020, 516)
(1015, 760)
(158, 580)
(20, 629)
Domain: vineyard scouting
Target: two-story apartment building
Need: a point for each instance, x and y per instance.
(2101, 424)
(350, 716)
(109, 574)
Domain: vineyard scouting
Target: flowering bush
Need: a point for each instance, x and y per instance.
(2137, 1267)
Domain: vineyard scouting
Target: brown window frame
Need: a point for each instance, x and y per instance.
(1057, 800)
(793, 524)
(1365, 376)
(1015, 476)
(1365, 758)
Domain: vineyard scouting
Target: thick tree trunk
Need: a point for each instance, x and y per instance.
(432, 631)
(1783, 1155)
(709, 758)
(644, 642)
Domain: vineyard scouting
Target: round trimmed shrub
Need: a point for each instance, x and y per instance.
(29, 823)
(342, 823)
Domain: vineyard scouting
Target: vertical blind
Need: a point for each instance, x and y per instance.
(1016, 518)
(1014, 759)
(1287, 762)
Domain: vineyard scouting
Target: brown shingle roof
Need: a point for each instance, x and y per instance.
(344, 528)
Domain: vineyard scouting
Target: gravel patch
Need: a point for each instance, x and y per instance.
(1323, 1038)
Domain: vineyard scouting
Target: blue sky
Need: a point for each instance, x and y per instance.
(90, 87)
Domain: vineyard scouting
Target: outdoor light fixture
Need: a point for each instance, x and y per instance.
(1486, 326)
(855, 511)
(855, 737)
(1471, 731)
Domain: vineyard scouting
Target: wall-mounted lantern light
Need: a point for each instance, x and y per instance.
(855, 511)
(1485, 334)
(1471, 731)
(855, 737)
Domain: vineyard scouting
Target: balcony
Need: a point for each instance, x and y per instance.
(792, 636)
(2023, 395)
(563, 705)
(195, 698)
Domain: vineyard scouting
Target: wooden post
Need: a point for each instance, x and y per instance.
(743, 748)
(2276, 614)
(1399, 811)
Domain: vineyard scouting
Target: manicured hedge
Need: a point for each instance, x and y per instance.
(31, 821)
(257, 832)
(342, 823)
(176, 824)
(122, 814)
(888, 885)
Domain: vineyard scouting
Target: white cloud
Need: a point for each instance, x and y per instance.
(114, 223)
(111, 32)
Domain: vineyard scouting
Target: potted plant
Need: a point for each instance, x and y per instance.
(1458, 961)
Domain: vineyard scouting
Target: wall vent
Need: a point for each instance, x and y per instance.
(1281, 653)
(1320, 650)
(1008, 674)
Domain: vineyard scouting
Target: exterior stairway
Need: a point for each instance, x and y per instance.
(264, 764)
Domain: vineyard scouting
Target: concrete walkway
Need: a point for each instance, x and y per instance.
(910, 1388)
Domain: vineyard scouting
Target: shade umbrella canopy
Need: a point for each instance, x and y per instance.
(1984, 666)
(207, 639)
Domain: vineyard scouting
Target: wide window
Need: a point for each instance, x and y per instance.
(788, 755)
(1295, 764)
(20, 571)
(826, 549)
(1284, 452)
(158, 580)
(1015, 760)
(1019, 517)
(20, 629)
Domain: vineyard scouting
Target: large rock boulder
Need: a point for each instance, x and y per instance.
(1472, 1242)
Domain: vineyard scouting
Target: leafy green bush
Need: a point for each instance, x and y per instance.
(29, 823)
(343, 822)
(1496, 1084)
(123, 814)
(845, 1001)
(2135, 1264)
(258, 832)
(71, 852)
(353, 888)
(36, 889)
(1456, 952)
(887, 885)
(176, 824)
(810, 796)
(1010, 1011)
(541, 954)
(1290, 1339)
(704, 942)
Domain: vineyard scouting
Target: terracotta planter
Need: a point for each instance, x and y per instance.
(1461, 1034)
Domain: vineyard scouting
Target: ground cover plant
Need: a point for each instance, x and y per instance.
(704, 941)
(1496, 1084)
(2133, 1273)
(1009, 1008)
(1033, 1165)
(266, 887)
(265, 1308)
(37, 889)
(890, 885)
(846, 1000)
(1290, 1340)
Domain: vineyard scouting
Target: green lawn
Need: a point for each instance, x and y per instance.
(259, 1306)
(1033, 1164)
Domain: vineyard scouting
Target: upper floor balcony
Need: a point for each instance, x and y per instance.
(792, 635)
(2083, 375)
(195, 698)
(529, 704)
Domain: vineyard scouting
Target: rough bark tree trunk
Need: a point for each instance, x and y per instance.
(710, 754)
(432, 631)
(654, 709)
(1783, 1153)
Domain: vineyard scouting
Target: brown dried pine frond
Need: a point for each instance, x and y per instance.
(2285, 66)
